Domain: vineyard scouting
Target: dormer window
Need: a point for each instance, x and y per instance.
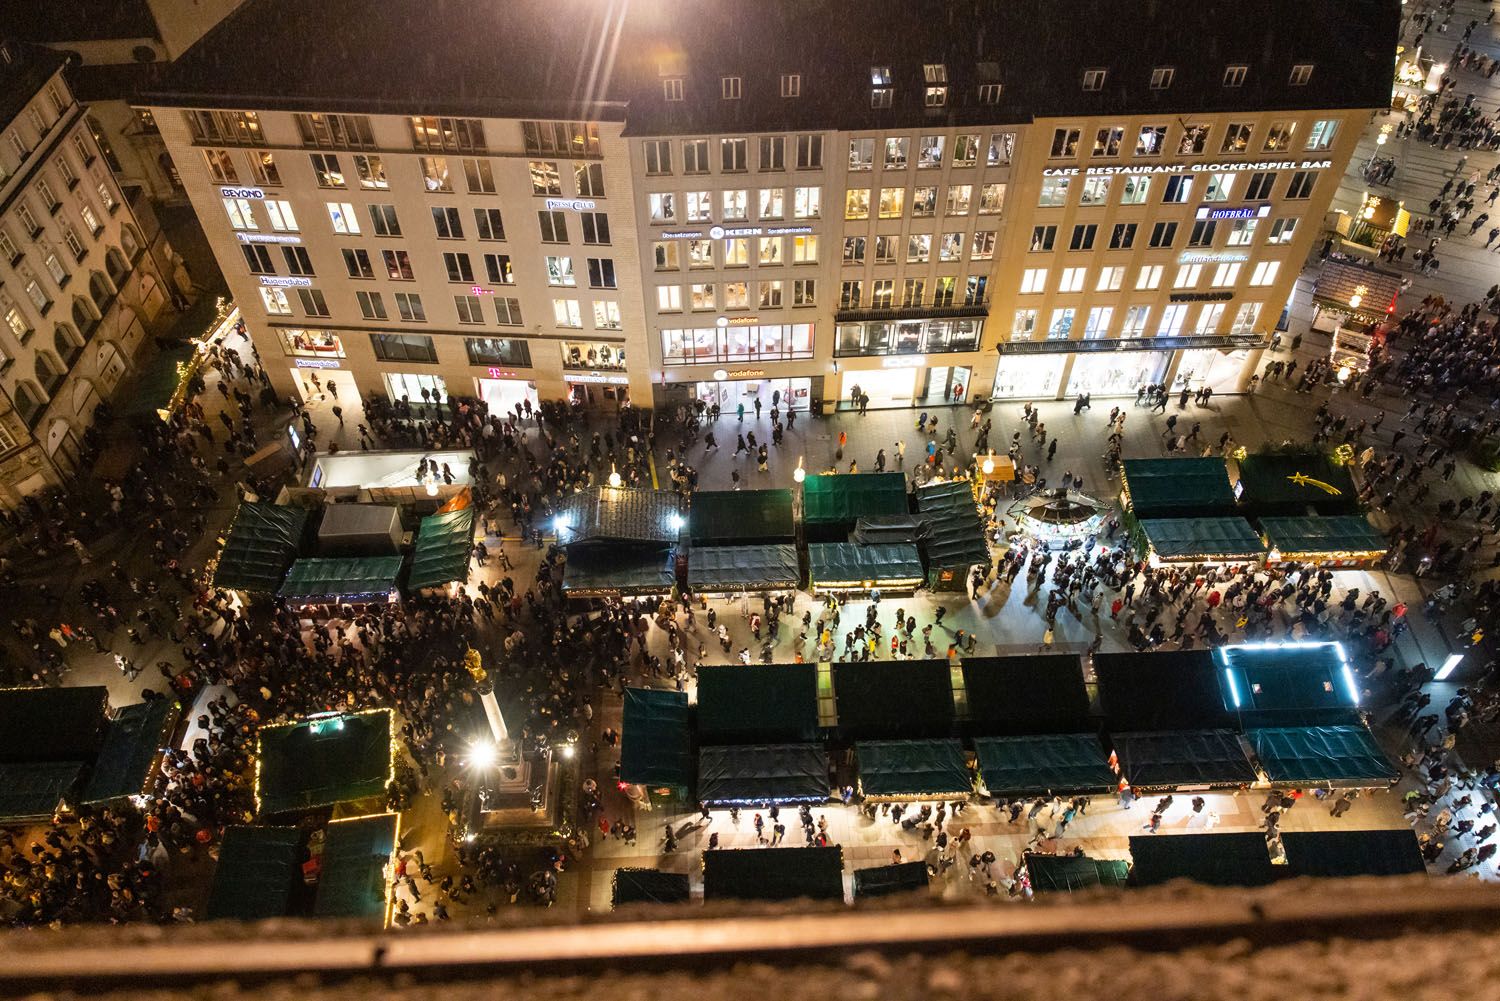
(672, 88)
(880, 76)
(1301, 74)
(936, 97)
(989, 93)
(1094, 79)
(729, 86)
(1161, 77)
(1234, 75)
(791, 85)
(935, 73)
(881, 97)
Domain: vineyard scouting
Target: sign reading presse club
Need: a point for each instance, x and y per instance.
(570, 204)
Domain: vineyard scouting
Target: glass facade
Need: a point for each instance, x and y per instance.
(590, 355)
(312, 343)
(498, 351)
(908, 337)
(772, 342)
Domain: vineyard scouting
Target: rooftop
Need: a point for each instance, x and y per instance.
(27, 70)
(53, 23)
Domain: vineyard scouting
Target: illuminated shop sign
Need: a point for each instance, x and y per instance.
(723, 233)
(242, 193)
(1185, 168)
(682, 234)
(480, 290)
(575, 204)
(266, 238)
(272, 281)
(903, 361)
(1220, 257)
(746, 373)
(1200, 296)
(316, 363)
(1236, 212)
(736, 321)
(598, 377)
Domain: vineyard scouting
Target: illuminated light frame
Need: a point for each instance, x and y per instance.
(1344, 670)
(395, 747)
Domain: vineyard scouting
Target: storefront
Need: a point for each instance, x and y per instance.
(1029, 376)
(597, 390)
(503, 390)
(1117, 373)
(887, 387)
(730, 392)
(416, 388)
(1351, 303)
(323, 380)
(1214, 368)
(591, 355)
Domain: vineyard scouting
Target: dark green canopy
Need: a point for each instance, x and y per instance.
(261, 546)
(1183, 758)
(882, 700)
(913, 768)
(323, 761)
(34, 789)
(344, 579)
(1296, 684)
(619, 514)
(1337, 854)
(834, 564)
(1025, 694)
(1070, 873)
(757, 703)
(1058, 763)
(740, 517)
(258, 869)
(52, 724)
(1214, 859)
(1302, 536)
(1178, 488)
(955, 536)
(1322, 755)
(749, 568)
(656, 740)
(444, 545)
(842, 499)
(1170, 690)
(884, 880)
(650, 886)
(1288, 483)
(773, 874)
(1202, 538)
(132, 742)
(354, 882)
(608, 570)
(764, 773)
(158, 380)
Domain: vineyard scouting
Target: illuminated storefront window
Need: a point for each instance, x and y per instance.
(900, 337)
(773, 342)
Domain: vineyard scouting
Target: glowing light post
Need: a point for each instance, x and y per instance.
(483, 756)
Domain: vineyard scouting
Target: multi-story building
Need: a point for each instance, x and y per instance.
(946, 199)
(78, 288)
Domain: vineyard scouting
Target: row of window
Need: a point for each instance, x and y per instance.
(807, 151)
(945, 293)
(508, 351)
(459, 266)
(769, 294)
(1135, 322)
(468, 308)
(739, 343)
(935, 88)
(429, 133)
(447, 221)
(918, 248)
(1151, 140)
(39, 118)
(769, 251)
(890, 203)
(1176, 189)
(1225, 274)
(1122, 235)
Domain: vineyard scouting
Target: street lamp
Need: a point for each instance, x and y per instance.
(483, 754)
(799, 474)
(614, 476)
(989, 463)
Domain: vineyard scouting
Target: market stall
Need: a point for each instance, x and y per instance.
(832, 503)
(360, 530)
(884, 700)
(649, 886)
(783, 874)
(1211, 859)
(748, 774)
(1199, 540)
(1288, 684)
(338, 760)
(1170, 690)
(395, 476)
(717, 571)
(133, 744)
(1183, 760)
(356, 869)
(347, 581)
(656, 743)
(954, 542)
(1341, 854)
(49, 739)
(1024, 694)
(259, 870)
(593, 572)
(445, 544)
(1058, 519)
(1291, 484)
(912, 769)
(886, 880)
(1330, 756)
(740, 518)
(1072, 873)
(848, 567)
(263, 542)
(1054, 764)
(1176, 488)
(1352, 300)
(757, 703)
(1335, 542)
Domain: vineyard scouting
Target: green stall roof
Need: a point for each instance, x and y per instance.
(1178, 488)
(1214, 859)
(740, 517)
(158, 380)
(1070, 873)
(955, 535)
(883, 700)
(52, 724)
(757, 703)
(1202, 538)
(353, 882)
(650, 886)
(1183, 758)
(1049, 763)
(656, 740)
(844, 498)
(611, 570)
(779, 874)
(1337, 854)
(323, 761)
(1277, 483)
(134, 738)
(1339, 533)
(764, 773)
(261, 546)
(831, 563)
(884, 880)
(344, 578)
(913, 768)
(751, 568)
(1042, 693)
(35, 789)
(258, 869)
(1322, 755)
(619, 514)
(1275, 684)
(1164, 690)
(444, 544)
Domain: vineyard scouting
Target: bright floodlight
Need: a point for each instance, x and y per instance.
(431, 487)
(614, 477)
(483, 754)
(989, 464)
(559, 523)
(676, 522)
(799, 474)
(1449, 666)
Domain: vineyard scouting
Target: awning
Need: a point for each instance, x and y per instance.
(609, 570)
(842, 499)
(1059, 764)
(913, 768)
(262, 544)
(356, 869)
(1169, 690)
(444, 544)
(883, 700)
(323, 761)
(740, 517)
(846, 564)
(757, 703)
(360, 530)
(134, 738)
(1213, 859)
(1307, 538)
(52, 724)
(887, 530)
(1203, 539)
(1291, 684)
(764, 773)
(34, 789)
(158, 381)
(347, 579)
(1339, 282)
(258, 869)
(1177, 488)
(884, 880)
(1025, 694)
(619, 514)
(955, 535)
(656, 738)
(1071, 873)
(1289, 483)
(748, 568)
(1322, 755)
(779, 874)
(650, 886)
(1183, 758)
(1337, 854)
